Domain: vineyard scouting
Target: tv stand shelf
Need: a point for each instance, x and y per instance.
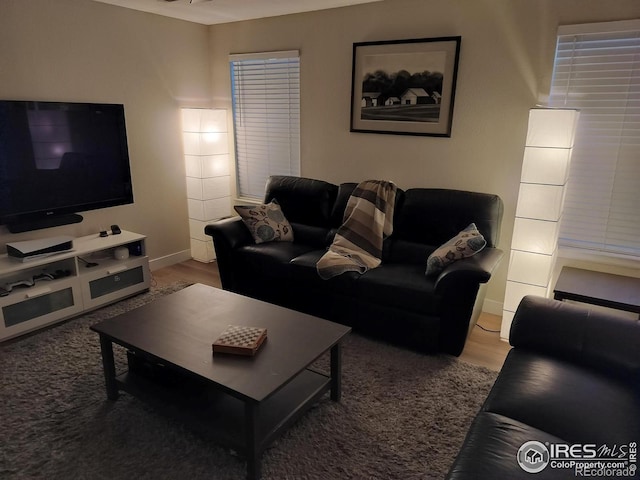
(66, 284)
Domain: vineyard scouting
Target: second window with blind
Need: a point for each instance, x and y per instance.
(266, 117)
(597, 71)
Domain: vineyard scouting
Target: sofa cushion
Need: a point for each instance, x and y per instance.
(569, 401)
(266, 222)
(344, 192)
(262, 270)
(491, 450)
(403, 251)
(317, 237)
(466, 244)
(589, 337)
(303, 271)
(398, 285)
(432, 216)
(270, 258)
(303, 200)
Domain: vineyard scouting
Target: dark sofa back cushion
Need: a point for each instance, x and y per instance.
(344, 192)
(303, 200)
(403, 251)
(432, 216)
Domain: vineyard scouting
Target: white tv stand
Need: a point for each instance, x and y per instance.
(76, 287)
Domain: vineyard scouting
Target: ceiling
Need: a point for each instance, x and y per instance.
(211, 12)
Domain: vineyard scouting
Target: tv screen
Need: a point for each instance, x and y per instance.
(60, 158)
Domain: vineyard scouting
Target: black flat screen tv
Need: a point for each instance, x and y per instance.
(58, 159)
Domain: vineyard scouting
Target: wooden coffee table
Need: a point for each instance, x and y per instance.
(244, 403)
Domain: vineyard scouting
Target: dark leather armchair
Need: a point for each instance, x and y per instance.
(571, 378)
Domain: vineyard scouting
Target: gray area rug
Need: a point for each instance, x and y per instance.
(403, 415)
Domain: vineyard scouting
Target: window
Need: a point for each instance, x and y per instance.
(266, 116)
(597, 70)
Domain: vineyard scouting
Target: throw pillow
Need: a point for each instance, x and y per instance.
(266, 223)
(466, 244)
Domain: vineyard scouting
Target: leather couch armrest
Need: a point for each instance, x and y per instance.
(477, 268)
(230, 232)
(577, 334)
(228, 235)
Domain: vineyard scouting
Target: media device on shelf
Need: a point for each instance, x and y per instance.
(31, 249)
(58, 159)
(115, 230)
(121, 253)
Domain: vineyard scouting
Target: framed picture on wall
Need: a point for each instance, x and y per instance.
(404, 87)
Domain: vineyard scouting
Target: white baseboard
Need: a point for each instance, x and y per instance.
(492, 306)
(167, 260)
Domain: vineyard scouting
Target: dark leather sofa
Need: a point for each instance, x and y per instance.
(395, 301)
(572, 377)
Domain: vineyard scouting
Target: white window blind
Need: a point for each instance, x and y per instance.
(597, 70)
(266, 114)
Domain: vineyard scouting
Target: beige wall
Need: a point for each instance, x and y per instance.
(505, 64)
(78, 50)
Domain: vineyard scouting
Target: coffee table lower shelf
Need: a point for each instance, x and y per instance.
(225, 419)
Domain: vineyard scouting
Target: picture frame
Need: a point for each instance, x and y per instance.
(404, 87)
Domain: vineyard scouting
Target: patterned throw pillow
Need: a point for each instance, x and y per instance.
(466, 244)
(266, 223)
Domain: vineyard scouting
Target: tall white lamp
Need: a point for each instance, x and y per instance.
(545, 170)
(206, 156)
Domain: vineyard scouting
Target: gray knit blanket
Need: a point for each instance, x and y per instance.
(368, 219)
